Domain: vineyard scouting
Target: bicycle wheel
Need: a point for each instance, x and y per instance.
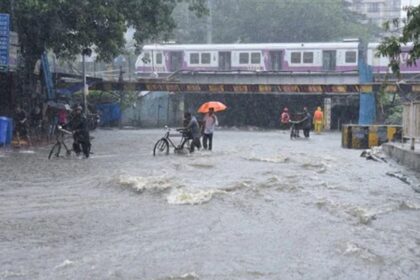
(55, 150)
(161, 147)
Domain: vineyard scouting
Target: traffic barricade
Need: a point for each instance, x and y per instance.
(368, 136)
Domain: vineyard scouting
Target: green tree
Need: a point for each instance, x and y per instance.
(273, 21)
(66, 27)
(391, 46)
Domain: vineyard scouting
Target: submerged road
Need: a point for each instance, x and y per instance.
(260, 206)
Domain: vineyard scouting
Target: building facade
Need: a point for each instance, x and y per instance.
(377, 11)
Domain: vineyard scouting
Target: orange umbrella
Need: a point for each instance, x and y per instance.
(216, 105)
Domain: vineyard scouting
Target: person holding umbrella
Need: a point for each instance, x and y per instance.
(210, 122)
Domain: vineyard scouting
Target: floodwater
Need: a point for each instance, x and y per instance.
(260, 206)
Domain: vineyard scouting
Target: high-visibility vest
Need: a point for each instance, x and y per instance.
(318, 116)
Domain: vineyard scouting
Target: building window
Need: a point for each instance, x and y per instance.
(296, 57)
(351, 57)
(194, 58)
(308, 57)
(243, 58)
(205, 58)
(255, 58)
(158, 58)
(373, 7)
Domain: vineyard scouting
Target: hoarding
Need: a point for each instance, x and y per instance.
(4, 41)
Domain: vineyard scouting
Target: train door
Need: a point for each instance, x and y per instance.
(329, 61)
(275, 60)
(225, 61)
(175, 59)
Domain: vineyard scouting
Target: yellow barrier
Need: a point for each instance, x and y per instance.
(368, 136)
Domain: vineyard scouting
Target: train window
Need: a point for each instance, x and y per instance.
(350, 57)
(146, 58)
(308, 57)
(205, 58)
(194, 58)
(255, 58)
(296, 57)
(243, 58)
(158, 58)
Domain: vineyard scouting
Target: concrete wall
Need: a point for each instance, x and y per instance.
(411, 120)
(410, 159)
(155, 109)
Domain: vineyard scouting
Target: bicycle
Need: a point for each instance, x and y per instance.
(60, 137)
(162, 145)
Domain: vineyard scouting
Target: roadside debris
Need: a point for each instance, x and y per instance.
(400, 176)
(375, 154)
(405, 179)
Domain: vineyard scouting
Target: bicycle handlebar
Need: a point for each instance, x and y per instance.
(60, 128)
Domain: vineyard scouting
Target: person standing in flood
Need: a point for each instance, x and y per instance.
(210, 122)
(21, 124)
(318, 120)
(285, 118)
(62, 116)
(81, 137)
(306, 122)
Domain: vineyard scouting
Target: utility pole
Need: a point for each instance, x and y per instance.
(85, 52)
(12, 15)
(209, 23)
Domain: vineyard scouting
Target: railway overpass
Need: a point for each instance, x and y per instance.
(253, 104)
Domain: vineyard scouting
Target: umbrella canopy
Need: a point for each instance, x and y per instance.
(58, 105)
(216, 105)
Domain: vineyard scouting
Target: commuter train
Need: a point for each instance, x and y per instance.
(330, 57)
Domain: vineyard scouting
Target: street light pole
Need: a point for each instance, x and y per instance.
(84, 84)
(85, 52)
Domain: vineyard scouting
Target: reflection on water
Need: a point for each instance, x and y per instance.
(259, 206)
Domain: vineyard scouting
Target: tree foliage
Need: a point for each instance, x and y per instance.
(68, 26)
(392, 46)
(273, 21)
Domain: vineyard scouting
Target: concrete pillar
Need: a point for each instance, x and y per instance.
(327, 113)
(367, 107)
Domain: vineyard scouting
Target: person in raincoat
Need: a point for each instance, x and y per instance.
(285, 118)
(318, 120)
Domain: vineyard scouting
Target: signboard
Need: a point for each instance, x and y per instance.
(4, 41)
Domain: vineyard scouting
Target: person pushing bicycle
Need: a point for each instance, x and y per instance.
(78, 125)
(192, 127)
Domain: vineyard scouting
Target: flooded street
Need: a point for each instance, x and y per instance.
(260, 206)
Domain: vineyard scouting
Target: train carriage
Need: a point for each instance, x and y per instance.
(332, 57)
(380, 64)
(293, 57)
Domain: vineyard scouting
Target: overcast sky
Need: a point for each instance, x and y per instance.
(410, 2)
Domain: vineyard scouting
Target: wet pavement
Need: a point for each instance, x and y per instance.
(260, 206)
